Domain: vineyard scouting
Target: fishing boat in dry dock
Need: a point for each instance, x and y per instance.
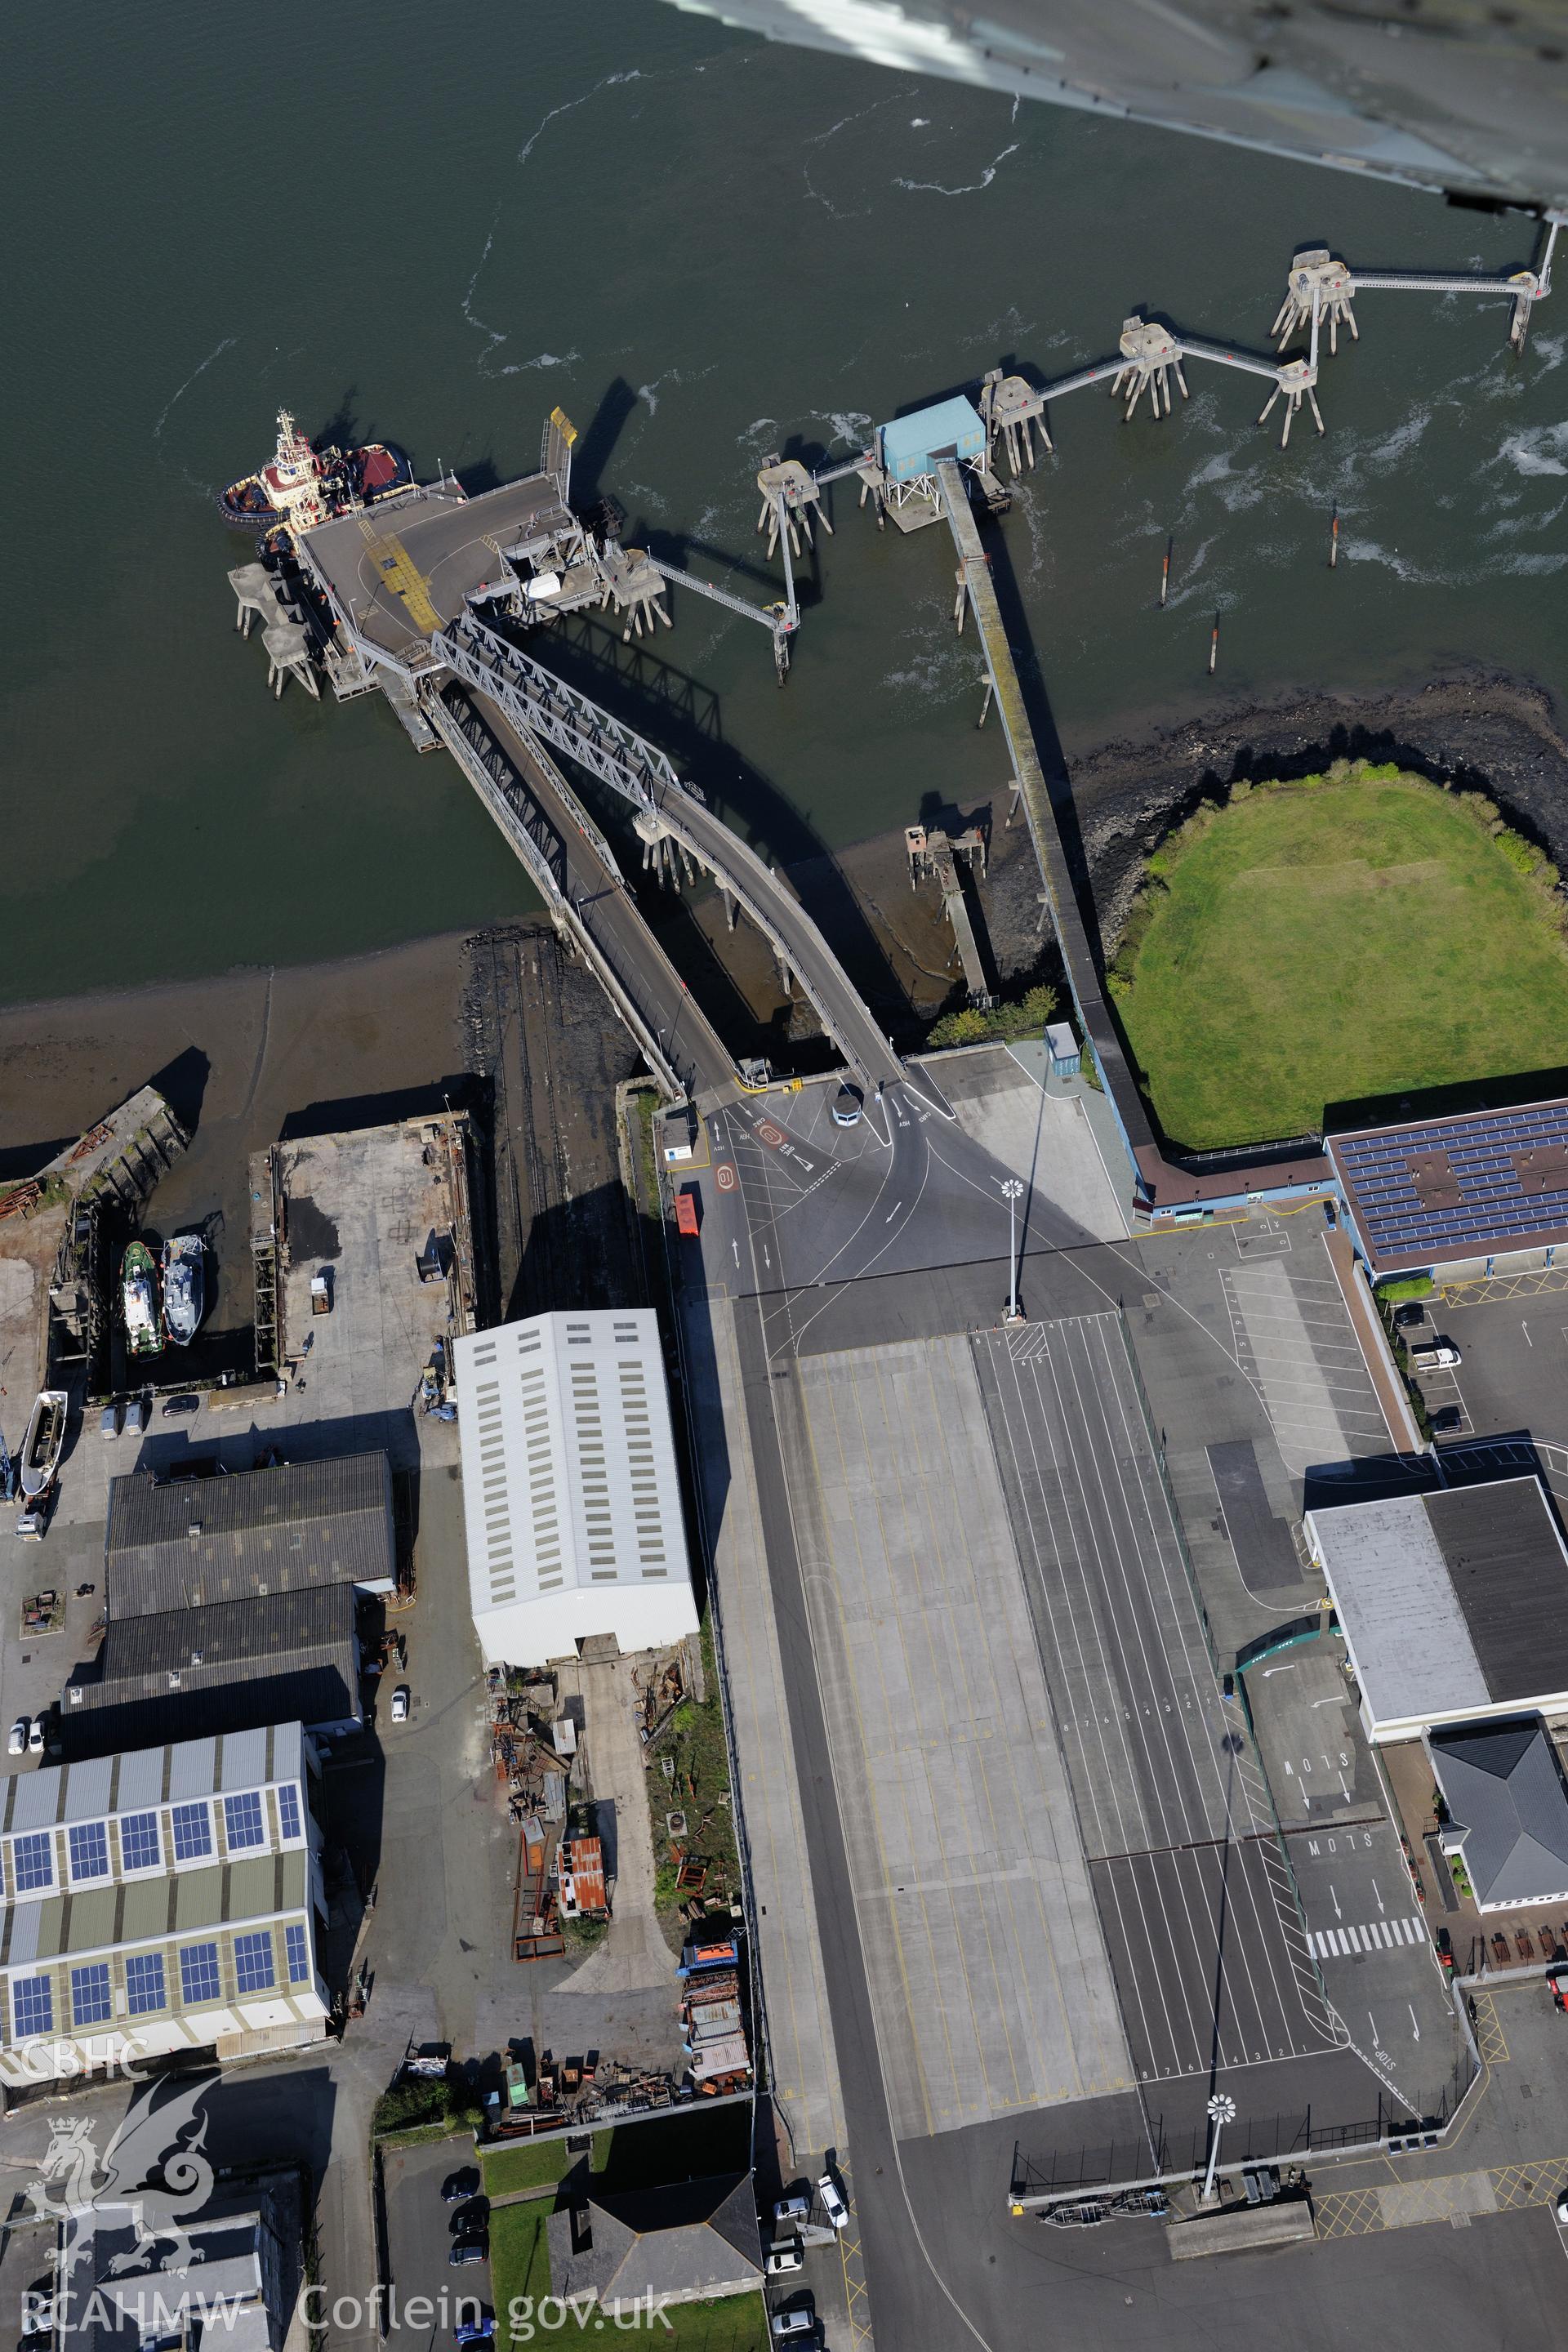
(301, 486)
(138, 1301)
(42, 1446)
(183, 1262)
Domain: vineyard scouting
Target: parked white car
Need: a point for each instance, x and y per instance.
(17, 1743)
(400, 1704)
(832, 2205)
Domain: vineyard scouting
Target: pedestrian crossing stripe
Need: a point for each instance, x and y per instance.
(1377, 1936)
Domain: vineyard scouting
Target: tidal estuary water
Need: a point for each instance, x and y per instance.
(430, 228)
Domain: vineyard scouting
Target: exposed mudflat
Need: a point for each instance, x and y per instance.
(246, 1053)
(1492, 733)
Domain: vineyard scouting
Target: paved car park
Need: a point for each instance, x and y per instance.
(1368, 1939)
(1210, 1959)
(988, 1979)
(1513, 1336)
(430, 2296)
(1292, 1335)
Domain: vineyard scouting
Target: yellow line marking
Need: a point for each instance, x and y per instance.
(1530, 1284)
(398, 571)
(1491, 2039)
(1359, 2212)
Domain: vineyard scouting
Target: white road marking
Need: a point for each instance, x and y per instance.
(1113, 1601)
(1376, 1936)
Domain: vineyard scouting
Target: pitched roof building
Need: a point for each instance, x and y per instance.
(231, 1603)
(227, 1667)
(129, 2289)
(682, 2243)
(169, 1897)
(1508, 1811)
(247, 1537)
(570, 1497)
(1458, 1191)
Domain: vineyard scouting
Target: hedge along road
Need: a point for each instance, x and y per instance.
(1332, 938)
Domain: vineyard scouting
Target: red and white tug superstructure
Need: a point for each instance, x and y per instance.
(293, 477)
(301, 486)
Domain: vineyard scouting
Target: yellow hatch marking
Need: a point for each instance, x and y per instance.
(398, 570)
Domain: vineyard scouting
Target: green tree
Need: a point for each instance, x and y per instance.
(969, 1027)
(1027, 1018)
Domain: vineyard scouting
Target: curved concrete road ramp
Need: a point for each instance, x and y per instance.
(989, 1981)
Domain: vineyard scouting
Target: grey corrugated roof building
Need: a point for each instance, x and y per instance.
(1453, 1603)
(1508, 1812)
(189, 1673)
(678, 2244)
(249, 1536)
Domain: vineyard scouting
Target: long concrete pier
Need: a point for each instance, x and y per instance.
(1073, 936)
(1163, 1183)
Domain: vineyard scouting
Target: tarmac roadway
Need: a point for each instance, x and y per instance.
(839, 1258)
(584, 876)
(583, 873)
(777, 912)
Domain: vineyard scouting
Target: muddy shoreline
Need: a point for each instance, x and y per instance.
(1488, 733)
(262, 1046)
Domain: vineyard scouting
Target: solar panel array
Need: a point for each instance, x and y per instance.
(1493, 1210)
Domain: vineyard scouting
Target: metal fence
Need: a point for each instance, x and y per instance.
(1167, 2157)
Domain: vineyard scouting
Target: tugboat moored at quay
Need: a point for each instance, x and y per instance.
(300, 486)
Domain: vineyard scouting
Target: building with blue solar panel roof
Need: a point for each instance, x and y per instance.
(160, 1902)
(1457, 1191)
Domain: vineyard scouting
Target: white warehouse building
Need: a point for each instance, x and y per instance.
(571, 1498)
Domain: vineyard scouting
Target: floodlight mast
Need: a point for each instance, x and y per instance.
(1012, 1192)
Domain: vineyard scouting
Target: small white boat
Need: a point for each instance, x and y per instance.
(45, 1440)
(183, 1269)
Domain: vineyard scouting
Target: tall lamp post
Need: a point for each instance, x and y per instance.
(1012, 1192)
(1222, 2111)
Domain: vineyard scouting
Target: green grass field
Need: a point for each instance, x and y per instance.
(531, 2164)
(1359, 939)
(520, 2258)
